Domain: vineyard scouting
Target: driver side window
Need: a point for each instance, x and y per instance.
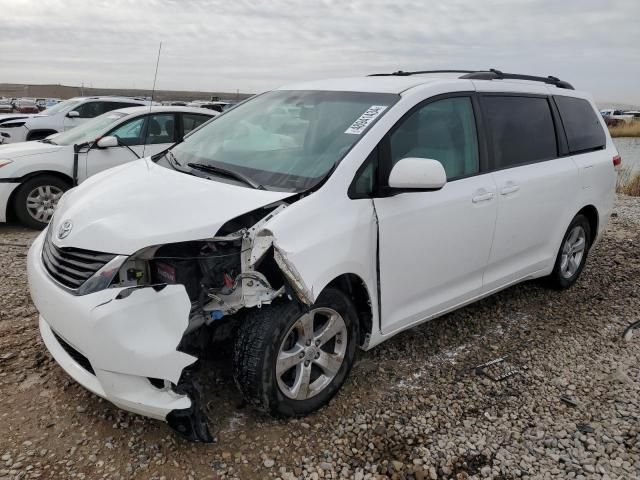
(129, 132)
(160, 129)
(444, 130)
(89, 109)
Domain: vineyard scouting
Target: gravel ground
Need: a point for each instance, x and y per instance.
(414, 407)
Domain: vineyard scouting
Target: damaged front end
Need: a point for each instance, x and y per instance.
(221, 275)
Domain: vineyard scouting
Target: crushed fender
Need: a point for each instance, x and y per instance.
(289, 270)
(221, 275)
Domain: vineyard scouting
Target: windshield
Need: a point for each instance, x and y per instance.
(62, 106)
(285, 140)
(88, 131)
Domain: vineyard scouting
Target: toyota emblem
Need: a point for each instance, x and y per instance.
(65, 229)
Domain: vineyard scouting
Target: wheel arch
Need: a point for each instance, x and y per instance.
(591, 213)
(10, 208)
(38, 132)
(356, 289)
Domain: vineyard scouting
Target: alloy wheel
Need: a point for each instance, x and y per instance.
(311, 354)
(573, 251)
(42, 201)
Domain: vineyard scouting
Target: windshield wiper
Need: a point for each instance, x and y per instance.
(226, 173)
(46, 140)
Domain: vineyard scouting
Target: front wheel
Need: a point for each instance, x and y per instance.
(572, 255)
(289, 362)
(37, 198)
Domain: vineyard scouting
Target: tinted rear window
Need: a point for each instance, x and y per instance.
(581, 124)
(520, 129)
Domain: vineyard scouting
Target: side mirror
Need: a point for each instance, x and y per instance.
(106, 142)
(73, 114)
(417, 174)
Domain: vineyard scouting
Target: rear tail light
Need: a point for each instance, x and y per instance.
(617, 160)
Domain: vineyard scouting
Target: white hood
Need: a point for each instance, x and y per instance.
(24, 149)
(17, 116)
(140, 204)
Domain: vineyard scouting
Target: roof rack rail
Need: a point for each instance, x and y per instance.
(491, 74)
(400, 73)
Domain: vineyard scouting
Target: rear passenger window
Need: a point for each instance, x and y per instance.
(161, 129)
(444, 130)
(191, 121)
(520, 129)
(581, 124)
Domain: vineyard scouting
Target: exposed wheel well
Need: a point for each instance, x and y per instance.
(40, 134)
(354, 287)
(592, 216)
(11, 214)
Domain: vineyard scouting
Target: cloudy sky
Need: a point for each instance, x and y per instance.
(224, 45)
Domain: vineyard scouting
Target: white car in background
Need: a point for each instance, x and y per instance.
(64, 116)
(34, 175)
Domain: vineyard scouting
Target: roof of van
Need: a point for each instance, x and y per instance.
(398, 84)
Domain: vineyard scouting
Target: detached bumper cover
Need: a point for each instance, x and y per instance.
(125, 341)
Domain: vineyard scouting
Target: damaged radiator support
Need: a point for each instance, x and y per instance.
(250, 288)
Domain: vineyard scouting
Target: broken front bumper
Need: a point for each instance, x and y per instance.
(115, 346)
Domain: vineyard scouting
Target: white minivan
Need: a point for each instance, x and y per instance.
(312, 220)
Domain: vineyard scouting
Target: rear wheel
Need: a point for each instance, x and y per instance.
(572, 255)
(37, 198)
(290, 362)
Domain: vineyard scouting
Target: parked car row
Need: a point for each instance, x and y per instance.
(35, 174)
(217, 105)
(26, 105)
(614, 117)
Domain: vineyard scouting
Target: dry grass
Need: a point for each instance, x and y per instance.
(628, 182)
(633, 187)
(631, 129)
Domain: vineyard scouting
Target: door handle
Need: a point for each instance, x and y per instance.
(509, 189)
(483, 197)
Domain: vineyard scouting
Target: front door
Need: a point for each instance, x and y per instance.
(434, 246)
(140, 137)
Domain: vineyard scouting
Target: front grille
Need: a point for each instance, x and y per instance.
(72, 266)
(76, 355)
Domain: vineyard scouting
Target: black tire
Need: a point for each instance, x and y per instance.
(20, 198)
(556, 279)
(258, 341)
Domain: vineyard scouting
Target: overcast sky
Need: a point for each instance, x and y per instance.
(257, 45)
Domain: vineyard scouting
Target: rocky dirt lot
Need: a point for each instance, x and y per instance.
(414, 407)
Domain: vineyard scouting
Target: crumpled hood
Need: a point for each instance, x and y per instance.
(24, 149)
(140, 204)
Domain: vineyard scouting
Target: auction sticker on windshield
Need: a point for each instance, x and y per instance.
(365, 119)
